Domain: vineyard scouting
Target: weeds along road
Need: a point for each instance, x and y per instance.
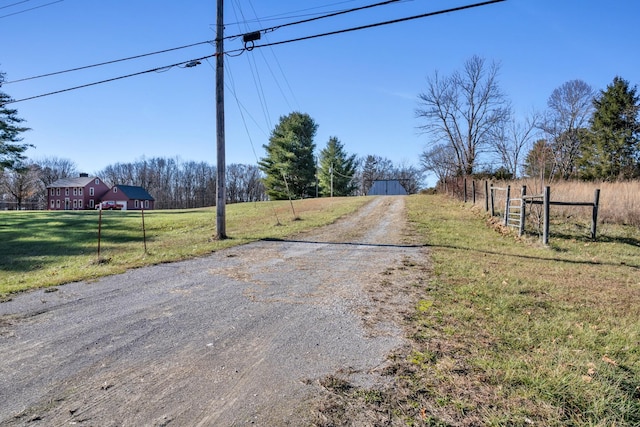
(244, 336)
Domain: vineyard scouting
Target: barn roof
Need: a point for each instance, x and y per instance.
(387, 187)
(134, 192)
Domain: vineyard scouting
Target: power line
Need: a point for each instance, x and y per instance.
(30, 9)
(109, 62)
(193, 62)
(330, 15)
(14, 4)
(269, 29)
(379, 24)
(189, 63)
(288, 15)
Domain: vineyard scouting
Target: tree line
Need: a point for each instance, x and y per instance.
(583, 133)
(177, 184)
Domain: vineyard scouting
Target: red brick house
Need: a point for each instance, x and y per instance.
(127, 197)
(83, 192)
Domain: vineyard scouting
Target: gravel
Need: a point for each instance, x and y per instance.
(241, 337)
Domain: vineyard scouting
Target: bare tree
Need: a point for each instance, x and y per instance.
(23, 184)
(440, 160)
(570, 108)
(513, 140)
(463, 110)
(55, 168)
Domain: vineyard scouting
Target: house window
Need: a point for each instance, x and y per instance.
(53, 204)
(75, 191)
(97, 181)
(115, 189)
(137, 204)
(91, 191)
(66, 191)
(146, 204)
(58, 203)
(80, 191)
(57, 191)
(75, 204)
(53, 192)
(91, 203)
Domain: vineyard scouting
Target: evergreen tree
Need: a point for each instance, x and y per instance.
(337, 169)
(10, 129)
(289, 165)
(612, 150)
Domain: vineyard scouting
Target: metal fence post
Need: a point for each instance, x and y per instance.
(545, 201)
(506, 206)
(523, 193)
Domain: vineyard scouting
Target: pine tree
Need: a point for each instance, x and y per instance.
(612, 150)
(337, 169)
(289, 165)
(10, 129)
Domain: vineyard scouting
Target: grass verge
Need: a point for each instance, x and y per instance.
(512, 333)
(42, 248)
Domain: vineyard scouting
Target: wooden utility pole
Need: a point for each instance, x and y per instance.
(221, 232)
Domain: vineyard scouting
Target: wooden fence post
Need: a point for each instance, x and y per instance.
(486, 196)
(473, 190)
(594, 214)
(464, 181)
(523, 193)
(506, 206)
(144, 231)
(99, 231)
(491, 201)
(545, 227)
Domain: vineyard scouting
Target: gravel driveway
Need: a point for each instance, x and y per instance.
(243, 336)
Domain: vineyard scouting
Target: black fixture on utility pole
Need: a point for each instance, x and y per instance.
(221, 199)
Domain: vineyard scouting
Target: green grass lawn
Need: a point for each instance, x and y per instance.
(47, 248)
(513, 333)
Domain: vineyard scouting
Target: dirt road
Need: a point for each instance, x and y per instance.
(247, 336)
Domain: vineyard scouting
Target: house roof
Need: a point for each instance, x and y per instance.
(82, 181)
(134, 192)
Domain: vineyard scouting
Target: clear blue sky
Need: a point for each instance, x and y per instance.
(361, 86)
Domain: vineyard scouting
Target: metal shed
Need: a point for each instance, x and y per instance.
(387, 187)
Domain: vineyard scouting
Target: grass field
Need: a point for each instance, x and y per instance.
(513, 333)
(45, 248)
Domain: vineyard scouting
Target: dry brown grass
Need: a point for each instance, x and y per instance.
(619, 201)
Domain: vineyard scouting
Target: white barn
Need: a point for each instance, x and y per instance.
(387, 187)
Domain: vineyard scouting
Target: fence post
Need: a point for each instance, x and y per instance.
(473, 190)
(545, 227)
(523, 193)
(594, 215)
(493, 209)
(486, 195)
(464, 181)
(506, 206)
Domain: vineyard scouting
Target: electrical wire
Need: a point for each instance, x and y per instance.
(109, 62)
(424, 15)
(380, 24)
(330, 15)
(30, 9)
(271, 29)
(154, 70)
(14, 4)
(288, 15)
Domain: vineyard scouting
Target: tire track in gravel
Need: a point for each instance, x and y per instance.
(244, 336)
